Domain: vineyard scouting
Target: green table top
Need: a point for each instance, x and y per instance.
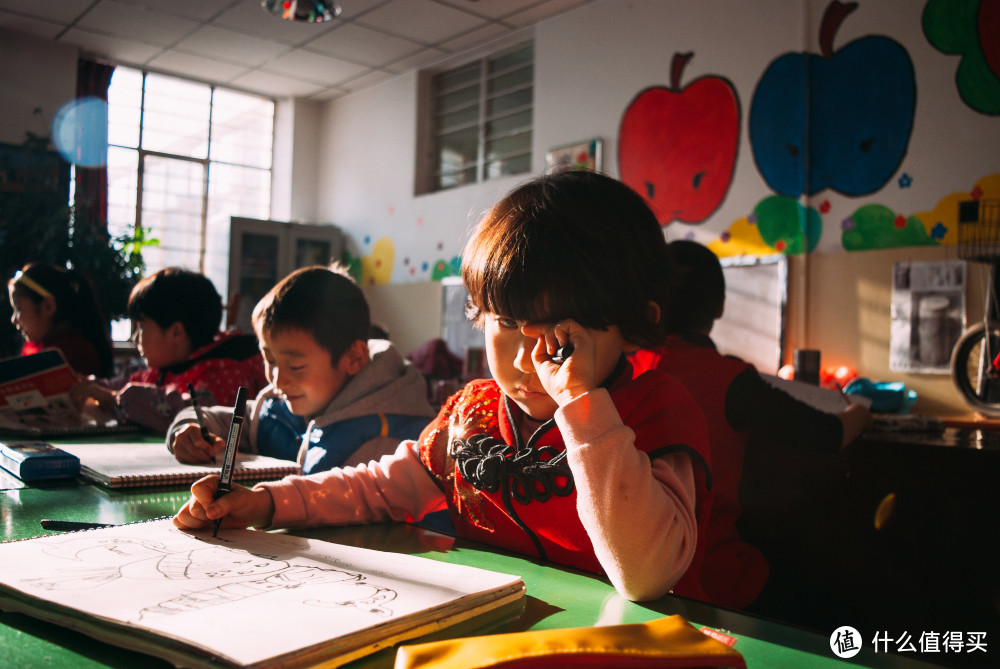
(556, 597)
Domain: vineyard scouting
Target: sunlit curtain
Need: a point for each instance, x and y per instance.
(92, 79)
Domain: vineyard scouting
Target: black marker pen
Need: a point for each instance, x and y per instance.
(562, 353)
(232, 443)
(70, 525)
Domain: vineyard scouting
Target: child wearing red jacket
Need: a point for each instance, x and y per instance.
(564, 458)
(737, 403)
(176, 314)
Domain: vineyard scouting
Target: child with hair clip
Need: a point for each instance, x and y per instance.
(56, 308)
(562, 457)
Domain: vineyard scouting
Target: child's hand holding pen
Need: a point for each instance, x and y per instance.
(197, 445)
(190, 446)
(241, 507)
(564, 358)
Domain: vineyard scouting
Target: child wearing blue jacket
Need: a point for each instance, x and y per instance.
(334, 399)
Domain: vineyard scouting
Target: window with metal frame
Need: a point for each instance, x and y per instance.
(182, 158)
(482, 119)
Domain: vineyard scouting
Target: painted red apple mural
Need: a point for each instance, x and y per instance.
(677, 146)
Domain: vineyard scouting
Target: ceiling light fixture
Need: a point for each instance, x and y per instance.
(308, 11)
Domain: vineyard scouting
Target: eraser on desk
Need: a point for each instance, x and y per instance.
(37, 461)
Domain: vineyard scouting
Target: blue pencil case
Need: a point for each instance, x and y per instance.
(37, 461)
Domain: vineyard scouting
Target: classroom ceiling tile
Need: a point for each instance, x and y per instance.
(29, 25)
(139, 23)
(276, 85)
(310, 66)
(540, 12)
(61, 12)
(423, 21)
(493, 9)
(475, 38)
(233, 41)
(113, 48)
(363, 45)
(231, 46)
(365, 81)
(197, 10)
(212, 69)
(422, 58)
(249, 18)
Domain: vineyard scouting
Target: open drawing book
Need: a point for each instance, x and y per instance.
(247, 598)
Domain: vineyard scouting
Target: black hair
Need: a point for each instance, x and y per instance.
(577, 245)
(76, 305)
(698, 291)
(175, 295)
(323, 301)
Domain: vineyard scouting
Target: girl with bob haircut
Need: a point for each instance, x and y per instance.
(568, 460)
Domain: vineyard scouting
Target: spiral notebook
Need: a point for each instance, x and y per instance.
(150, 464)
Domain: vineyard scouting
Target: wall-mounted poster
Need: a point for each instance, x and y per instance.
(583, 156)
(928, 315)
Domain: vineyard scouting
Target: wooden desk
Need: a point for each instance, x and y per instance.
(556, 597)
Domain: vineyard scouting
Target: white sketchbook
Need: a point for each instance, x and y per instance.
(247, 598)
(146, 464)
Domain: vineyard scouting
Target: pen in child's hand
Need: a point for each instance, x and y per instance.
(226, 477)
(198, 415)
(562, 353)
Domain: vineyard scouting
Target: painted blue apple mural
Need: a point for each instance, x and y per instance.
(840, 119)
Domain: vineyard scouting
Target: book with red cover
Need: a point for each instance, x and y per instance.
(35, 400)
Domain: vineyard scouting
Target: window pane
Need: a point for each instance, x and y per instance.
(516, 100)
(464, 117)
(123, 168)
(507, 166)
(124, 107)
(512, 59)
(509, 124)
(458, 99)
(242, 128)
(457, 149)
(463, 76)
(519, 143)
(176, 121)
(452, 179)
(510, 81)
(232, 191)
(175, 116)
(171, 206)
(461, 126)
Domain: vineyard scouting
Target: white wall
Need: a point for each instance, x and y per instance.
(36, 79)
(590, 63)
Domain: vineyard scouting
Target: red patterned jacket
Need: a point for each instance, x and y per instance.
(521, 496)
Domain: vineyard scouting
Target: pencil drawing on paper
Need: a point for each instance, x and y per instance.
(207, 575)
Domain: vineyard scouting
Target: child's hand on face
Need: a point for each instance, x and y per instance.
(241, 507)
(577, 375)
(190, 447)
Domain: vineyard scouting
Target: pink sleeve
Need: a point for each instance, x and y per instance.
(639, 514)
(396, 487)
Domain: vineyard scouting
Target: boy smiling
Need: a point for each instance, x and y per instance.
(335, 398)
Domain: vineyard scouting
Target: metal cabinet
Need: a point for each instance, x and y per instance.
(261, 253)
